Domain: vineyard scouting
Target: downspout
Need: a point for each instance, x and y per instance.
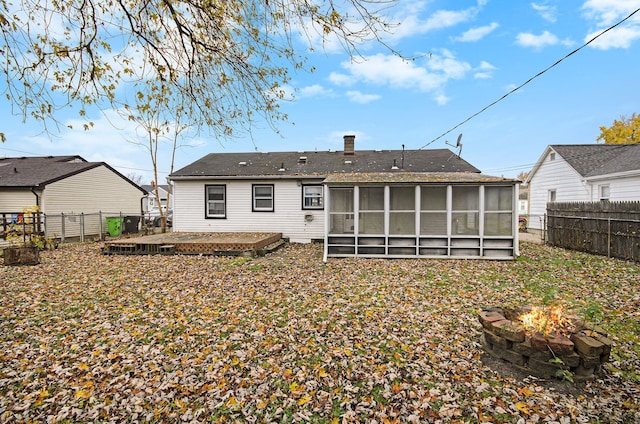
(33, 190)
(327, 200)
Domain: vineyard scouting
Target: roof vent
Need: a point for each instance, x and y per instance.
(347, 162)
(302, 159)
(281, 167)
(243, 163)
(395, 165)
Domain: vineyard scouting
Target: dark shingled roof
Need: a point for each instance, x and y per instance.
(322, 163)
(590, 160)
(152, 189)
(38, 171)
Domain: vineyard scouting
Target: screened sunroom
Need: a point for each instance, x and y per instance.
(430, 215)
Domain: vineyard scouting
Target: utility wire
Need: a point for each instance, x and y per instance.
(531, 79)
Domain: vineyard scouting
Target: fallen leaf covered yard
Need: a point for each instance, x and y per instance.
(86, 337)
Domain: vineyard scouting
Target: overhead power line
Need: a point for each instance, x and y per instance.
(531, 79)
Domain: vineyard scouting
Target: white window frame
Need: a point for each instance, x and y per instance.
(218, 201)
(601, 192)
(552, 195)
(255, 198)
(465, 220)
(313, 196)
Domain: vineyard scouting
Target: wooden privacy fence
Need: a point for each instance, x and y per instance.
(603, 228)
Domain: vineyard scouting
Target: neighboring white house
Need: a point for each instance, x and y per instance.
(66, 185)
(150, 201)
(523, 200)
(375, 203)
(583, 173)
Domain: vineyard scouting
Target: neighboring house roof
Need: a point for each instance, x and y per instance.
(591, 160)
(38, 171)
(322, 163)
(151, 189)
(600, 159)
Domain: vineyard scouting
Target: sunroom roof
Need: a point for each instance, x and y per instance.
(414, 177)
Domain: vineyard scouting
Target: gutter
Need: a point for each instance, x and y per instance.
(246, 177)
(624, 174)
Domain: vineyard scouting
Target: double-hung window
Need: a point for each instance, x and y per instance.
(216, 201)
(263, 198)
(312, 197)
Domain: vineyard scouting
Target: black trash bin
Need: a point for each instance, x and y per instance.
(131, 224)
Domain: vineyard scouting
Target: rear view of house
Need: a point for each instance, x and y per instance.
(373, 203)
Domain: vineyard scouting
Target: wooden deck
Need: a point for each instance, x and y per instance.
(221, 244)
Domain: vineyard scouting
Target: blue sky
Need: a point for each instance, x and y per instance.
(468, 54)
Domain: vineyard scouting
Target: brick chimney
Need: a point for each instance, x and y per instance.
(349, 142)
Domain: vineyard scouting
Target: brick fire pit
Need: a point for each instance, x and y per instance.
(581, 353)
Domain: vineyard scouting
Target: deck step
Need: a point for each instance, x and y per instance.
(168, 249)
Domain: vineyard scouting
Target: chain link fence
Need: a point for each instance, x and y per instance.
(76, 227)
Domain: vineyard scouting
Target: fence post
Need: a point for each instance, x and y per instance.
(62, 227)
(100, 218)
(81, 227)
(609, 237)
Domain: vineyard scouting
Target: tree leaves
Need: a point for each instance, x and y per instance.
(220, 63)
(86, 337)
(624, 131)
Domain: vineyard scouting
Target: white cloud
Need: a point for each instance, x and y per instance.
(539, 41)
(396, 73)
(620, 37)
(113, 140)
(510, 87)
(608, 12)
(290, 93)
(476, 34)
(484, 71)
(441, 99)
(548, 13)
(410, 18)
(358, 97)
(413, 21)
(341, 79)
(315, 90)
(448, 65)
